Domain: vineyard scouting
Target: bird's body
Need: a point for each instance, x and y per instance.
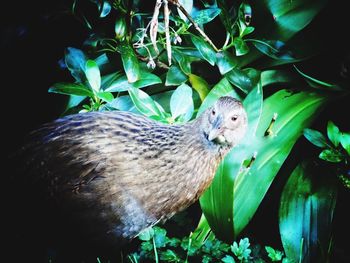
(116, 173)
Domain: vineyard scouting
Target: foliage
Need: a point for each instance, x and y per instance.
(171, 66)
(157, 246)
(335, 149)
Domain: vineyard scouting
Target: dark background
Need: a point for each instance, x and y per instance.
(34, 35)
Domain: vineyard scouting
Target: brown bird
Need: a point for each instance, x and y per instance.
(116, 173)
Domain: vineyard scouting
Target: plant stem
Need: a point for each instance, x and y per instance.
(155, 251)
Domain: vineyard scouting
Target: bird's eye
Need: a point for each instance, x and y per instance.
(213, 112)
(234, 118)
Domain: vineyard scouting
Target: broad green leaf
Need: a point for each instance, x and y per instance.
(225, 61)
(105, 96)
(237, 191)
(122, 84)
(92, 73)
(223, 88)
(217, 202)
(107, 80)
(146, 234)
(75, 60)
(244, 79)
(333, 133)
(71, 89)
(200, 85)
(241, 47)
(316, 138)
(204, 16)
(345, 141)
(74, 101)
(144, 103)
(306, 213)
(130, 62)
(331, 155)
(181, 103)
(205, 49)
(175, 76)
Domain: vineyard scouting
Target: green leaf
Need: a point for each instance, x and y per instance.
(247, 30)
(225, 61)
(130, 62)
(225, 203)
(181, 103)
(244, 79)
(105, 96)
(75, 60)
(205, 49)
(228, 259)
(306, 213)
(122, 84)
(318, 84)
(345, 141)
(333, 133)
(175, 76)
(274, 49)
(240, 46)
(331, 155)
(105, 9)
(269, 77)
(146, 234)
(188, 5)
(204, 16)
(200, 85)
(92, 73)
(144, 103)
(316, 138)
(71, 89)
(273, 254)
(223, 88)
(217, 201)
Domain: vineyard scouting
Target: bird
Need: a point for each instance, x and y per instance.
(116, 173)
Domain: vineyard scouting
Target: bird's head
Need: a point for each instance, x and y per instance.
(225, 122)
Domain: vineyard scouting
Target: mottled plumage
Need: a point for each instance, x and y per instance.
(117, 173)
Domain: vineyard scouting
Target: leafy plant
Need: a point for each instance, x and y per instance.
(335, 149)
(169, 65)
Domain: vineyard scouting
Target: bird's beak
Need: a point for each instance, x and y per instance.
(215, 130)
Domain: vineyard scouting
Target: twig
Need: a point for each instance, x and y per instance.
(183, 10)
(167, 34)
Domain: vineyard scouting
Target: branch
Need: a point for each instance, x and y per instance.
(183, 10)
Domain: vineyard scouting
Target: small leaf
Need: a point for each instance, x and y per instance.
(245, 79)
(187, 5)
(130, 62)
(333, 133)
(275, 49)
(247, 30)
(316, 138)
(92, 73)
(146, 234)
(205, 49)
(331, 155)
(105, 96)
(345, 141)
(228, 259)
(200, 85)
(75, 60)
(206, 15)
(225, 61)
(181, 103)
(105, 9)
(121, 83)
(144, 103)
(240, 46)
(175, 76)
(71, 89)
